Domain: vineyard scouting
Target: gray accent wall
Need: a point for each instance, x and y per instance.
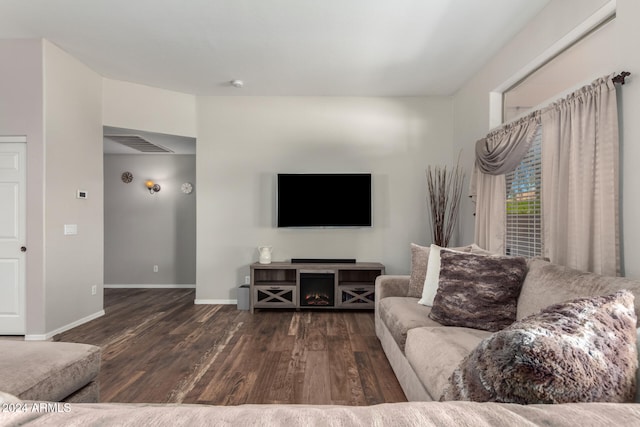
(143, 229)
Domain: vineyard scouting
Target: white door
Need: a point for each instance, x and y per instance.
(12, 235)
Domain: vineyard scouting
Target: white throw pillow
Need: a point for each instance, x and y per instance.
(433, 276)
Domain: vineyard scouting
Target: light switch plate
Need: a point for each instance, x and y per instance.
(70, 229)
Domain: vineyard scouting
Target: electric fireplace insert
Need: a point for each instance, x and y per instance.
(317, 289)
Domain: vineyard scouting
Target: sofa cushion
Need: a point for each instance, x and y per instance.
(419, 262)
(579, 351)
(434, 352)
(478, 291)
(547, 284)
(401, 314)
(48, 371)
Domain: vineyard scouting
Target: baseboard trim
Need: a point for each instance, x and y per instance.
(49, 335)
(148, 286)
(216, 301)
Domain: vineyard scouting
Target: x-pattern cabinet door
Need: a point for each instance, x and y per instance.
(354, 295)
(275, 296)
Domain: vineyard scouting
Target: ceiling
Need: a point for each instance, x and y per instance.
(277, 47)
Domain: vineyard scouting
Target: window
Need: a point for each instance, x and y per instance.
(524, 210)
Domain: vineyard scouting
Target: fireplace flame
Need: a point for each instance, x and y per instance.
(317, 299)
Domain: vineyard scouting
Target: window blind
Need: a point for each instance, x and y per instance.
(524, 210)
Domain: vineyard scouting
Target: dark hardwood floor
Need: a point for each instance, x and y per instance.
(157, 346)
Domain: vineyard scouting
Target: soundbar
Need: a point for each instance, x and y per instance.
(323, 260)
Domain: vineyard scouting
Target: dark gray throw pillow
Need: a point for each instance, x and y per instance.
(477, 291)
(578, 351)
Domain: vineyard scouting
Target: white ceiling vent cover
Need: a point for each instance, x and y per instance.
(138, 143)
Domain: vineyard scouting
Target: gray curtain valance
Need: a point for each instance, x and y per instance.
(502, 150)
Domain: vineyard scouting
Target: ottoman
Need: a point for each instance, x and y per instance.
(50, 371)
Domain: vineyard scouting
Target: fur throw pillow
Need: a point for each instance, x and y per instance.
(478, 291)
(579, 351)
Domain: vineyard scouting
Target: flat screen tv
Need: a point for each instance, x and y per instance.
(324, 200)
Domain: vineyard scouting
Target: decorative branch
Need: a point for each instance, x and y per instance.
(445, 190)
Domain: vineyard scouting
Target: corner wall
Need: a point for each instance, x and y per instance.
(73, 161)
(55, 101)
(243, 142)
(471, 103)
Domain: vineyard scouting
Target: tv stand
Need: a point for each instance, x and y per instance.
(314, 285)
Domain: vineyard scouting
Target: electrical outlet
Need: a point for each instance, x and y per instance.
(155, 268)
(247, 280)
(94, 289)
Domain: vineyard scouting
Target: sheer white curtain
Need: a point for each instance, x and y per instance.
(498, 153)
(491, 216)
(580, 193)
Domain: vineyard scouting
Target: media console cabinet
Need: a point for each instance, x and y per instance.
(314, 285)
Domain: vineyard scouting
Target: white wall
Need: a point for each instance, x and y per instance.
(73, 140)
(142, 229)
(471, 103)
(134, 106)
(243, 142)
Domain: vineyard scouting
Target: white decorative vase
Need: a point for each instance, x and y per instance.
(265, 254)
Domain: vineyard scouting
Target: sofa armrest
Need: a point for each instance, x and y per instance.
(390, 286)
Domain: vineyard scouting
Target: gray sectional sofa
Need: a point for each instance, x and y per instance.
(423, 353)
(50, 371)
(411, 414)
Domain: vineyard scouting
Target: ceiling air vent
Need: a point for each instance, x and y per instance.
(138, 143)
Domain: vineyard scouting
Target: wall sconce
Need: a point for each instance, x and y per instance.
(153, 188)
